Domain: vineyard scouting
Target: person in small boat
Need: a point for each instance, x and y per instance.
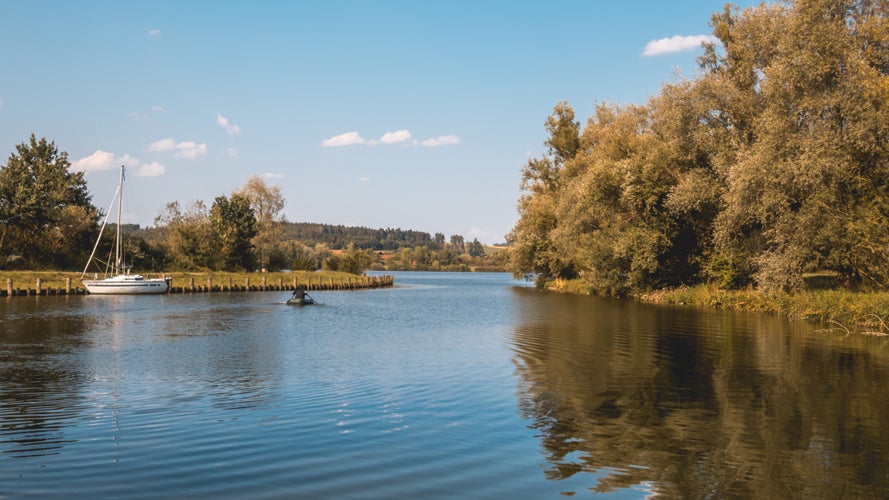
(299, 293)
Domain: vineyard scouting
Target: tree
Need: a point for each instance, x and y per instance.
(533, 249)
(355, 261)
(46, 211)
(773, 163)
(234, 225)
(189, 239)
(302, 258)
(457, 242)
(813, 75)
(267, 203)
(476, 249)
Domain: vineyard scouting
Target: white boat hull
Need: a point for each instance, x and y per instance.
(127, 285)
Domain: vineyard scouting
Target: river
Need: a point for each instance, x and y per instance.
(447, 385)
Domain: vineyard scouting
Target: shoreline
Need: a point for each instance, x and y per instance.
(864, 313)
(58, 283)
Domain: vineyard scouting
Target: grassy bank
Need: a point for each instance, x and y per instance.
(850, 311)
(57, 279)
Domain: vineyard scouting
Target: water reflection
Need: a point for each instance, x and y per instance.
(700, 404)
(69, 365)
(33, 416)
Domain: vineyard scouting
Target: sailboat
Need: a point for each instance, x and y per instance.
(118, 280)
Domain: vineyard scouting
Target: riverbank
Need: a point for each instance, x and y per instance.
(860, 312)
(37, 283)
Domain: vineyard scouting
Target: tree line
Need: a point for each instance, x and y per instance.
(339, 236)
(770, 164)
(48, 221)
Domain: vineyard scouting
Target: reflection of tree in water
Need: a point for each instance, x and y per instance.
(39, 385)
(701, 404)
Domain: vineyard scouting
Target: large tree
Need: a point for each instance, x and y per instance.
(534, 250)
(267, 203)
(46, 212)
(773, 163)
(234, 225)
(187, 236)
(809, 188)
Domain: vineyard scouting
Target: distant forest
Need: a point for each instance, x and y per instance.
(339, 237)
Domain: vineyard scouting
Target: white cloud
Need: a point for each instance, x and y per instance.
(232, 152)
(162, 145)
(154, 32)
(1, 103)
(127, 160)
(152, 169)
(96, 162)
(232, 129)
(188, 150)
(395, 137)
(676, 43)
(364, 178)
(158, 109)
(347, 139)
(444, 140)
(101, 161)
(272, 175)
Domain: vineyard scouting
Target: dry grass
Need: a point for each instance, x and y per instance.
(859, 312)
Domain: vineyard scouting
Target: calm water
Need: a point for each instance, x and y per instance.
(449, 385)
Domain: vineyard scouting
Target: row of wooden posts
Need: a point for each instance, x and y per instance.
(351, 283)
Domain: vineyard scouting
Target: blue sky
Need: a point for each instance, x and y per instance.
(418, 115)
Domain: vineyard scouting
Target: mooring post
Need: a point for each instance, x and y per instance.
(68, 285)
(39, 285)
(9, 287)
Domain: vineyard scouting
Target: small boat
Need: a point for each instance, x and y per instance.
(118, 280)
(300, 297)
(305, 301)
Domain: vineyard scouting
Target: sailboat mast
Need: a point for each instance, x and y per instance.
(117, 252)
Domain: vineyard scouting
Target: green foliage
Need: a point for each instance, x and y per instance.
(770, 165)
(188, 237)
(234, 226)
(267, 203)
(46, 214)
(352, 260)
(339, 237)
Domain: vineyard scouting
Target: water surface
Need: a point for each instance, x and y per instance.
(448, 385)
